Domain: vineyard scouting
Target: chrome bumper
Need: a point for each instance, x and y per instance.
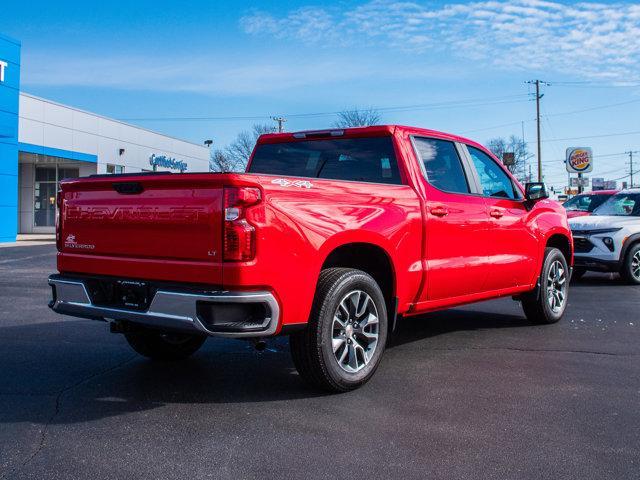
(175, 310)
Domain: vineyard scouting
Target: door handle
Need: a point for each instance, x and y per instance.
(439, 211)
(496, 213)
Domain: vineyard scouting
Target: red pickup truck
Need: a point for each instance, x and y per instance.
(329, 237)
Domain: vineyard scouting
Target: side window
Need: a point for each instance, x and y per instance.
(494, 181)
(442, 165)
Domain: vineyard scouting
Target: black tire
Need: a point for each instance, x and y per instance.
(578, 273)
(164, 346)
(629, 271)
(537, 308)
(312, 348)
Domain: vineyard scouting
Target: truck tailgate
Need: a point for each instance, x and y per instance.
(161, 227)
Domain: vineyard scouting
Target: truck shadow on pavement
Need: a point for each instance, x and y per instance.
(445, 322)
(84, 374)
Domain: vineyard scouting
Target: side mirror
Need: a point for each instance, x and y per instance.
(535, 191)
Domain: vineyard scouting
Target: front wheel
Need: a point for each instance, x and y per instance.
(631, 266)
(549, 305)
(164, 346)
(347, 331)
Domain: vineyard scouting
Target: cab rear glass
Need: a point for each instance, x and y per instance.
(355, 159)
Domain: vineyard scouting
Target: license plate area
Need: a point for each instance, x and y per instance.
(122, 294)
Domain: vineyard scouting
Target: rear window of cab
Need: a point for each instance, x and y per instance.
(355, 159)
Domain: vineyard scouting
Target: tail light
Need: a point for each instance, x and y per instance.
(239, 235)
(59, 219)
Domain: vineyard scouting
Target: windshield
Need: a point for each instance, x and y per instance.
(622, 204)
(585, 203)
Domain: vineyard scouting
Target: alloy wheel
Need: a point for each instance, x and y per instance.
(556, 286)
(635, 265)
(355, 331)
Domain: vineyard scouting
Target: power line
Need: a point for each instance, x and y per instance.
(398, 108)
(635, 132)
(557, 114)
(595, 156)
(599, 107)
(627, 175)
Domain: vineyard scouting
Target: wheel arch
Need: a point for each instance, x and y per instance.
(562, 243)
(628, 243)
(372, 259)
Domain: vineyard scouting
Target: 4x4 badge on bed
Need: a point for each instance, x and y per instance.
(283, 182)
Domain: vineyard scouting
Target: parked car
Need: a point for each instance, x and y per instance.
(585, 203)
(328, 237)
(609, 240)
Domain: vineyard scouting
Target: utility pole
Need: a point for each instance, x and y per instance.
(524, 146)
(280, 121)
(631, 165)
(538, 97)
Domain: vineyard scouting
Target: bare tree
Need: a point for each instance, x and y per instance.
(221, 162)
(357, 118)
(235, 157)
(262, 128)
(240, 150)
(521, 155)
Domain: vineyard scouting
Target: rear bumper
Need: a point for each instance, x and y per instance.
(183, 310)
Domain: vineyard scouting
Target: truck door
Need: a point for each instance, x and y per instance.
(512, 246)
(456, 224)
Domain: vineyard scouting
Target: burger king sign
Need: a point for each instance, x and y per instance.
(579, 160)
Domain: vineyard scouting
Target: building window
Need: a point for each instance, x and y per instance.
(115, 169)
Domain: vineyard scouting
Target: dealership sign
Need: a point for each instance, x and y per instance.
(3, 67)
(167, 162)
(579, 160)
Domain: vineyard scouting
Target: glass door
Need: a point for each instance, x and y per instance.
(44, 208)
(45, 190)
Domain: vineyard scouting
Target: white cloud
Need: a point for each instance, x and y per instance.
(597, 41)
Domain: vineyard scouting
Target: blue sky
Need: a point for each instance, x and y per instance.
(145, 60)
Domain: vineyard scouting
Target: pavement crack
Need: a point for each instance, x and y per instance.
(56, 411)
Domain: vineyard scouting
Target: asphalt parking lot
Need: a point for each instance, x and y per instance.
(472, 393)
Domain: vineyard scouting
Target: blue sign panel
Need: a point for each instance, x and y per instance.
(9, 95)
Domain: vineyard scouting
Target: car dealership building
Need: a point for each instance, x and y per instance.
(43, 142)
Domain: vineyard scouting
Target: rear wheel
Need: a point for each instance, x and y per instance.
(347, 331)
(549, 305)
(164, 346)
(631, 266)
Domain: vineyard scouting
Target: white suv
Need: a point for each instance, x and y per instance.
(609, 240)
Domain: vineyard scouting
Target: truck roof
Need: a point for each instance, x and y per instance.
(372, 131)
